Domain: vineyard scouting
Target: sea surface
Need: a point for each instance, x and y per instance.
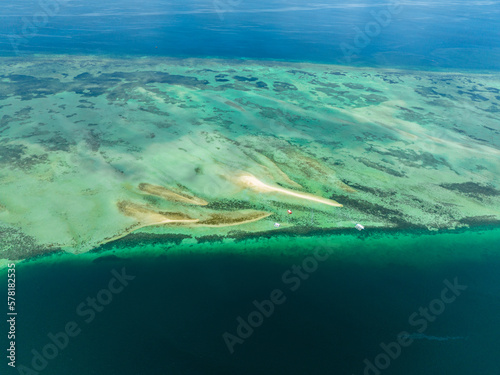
(458, 34)
(171, 317)
(182, 299)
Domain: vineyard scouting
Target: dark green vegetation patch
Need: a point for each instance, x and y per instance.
(472, 188)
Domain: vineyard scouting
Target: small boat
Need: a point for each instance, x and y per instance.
(359, 226)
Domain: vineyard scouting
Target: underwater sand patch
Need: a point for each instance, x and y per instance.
(169, 195)
(272, 167)
(251, 182)
(234, 105)
(345, 187)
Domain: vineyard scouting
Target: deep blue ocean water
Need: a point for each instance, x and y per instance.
(458, 34)
(170, 319)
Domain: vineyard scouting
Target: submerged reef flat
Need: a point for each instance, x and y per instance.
(93, 149)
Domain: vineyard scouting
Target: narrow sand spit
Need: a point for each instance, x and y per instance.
(147, 217)
(169, 195)
(251, 182)
(226, 219)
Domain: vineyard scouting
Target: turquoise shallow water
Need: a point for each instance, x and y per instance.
(171, 317)
(395, 148)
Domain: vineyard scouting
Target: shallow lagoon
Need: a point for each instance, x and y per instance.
(83, 137)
